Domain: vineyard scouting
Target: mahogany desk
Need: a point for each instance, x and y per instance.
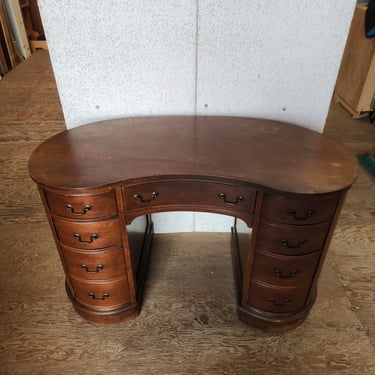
(99, 184)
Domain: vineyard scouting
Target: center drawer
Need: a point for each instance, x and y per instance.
(187, 194)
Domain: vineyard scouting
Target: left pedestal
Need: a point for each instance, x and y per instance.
(104, 260)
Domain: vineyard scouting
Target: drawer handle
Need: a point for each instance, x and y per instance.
(281, 304)
(286, 244)
(93, 237)
(85, 208)
(293, 213)
(92, 295)
(239, 199)
(280, 275)
(99, 267)
(139, 197)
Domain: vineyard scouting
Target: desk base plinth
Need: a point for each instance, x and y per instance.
(274, 322)
(110, 316)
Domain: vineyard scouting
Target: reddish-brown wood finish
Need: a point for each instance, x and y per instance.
(94, 265)
(267, 153)
(102, 295)
(284, 270)
(194, 194)
(88, 235)
(286, 182)
(83, 207)
(292, 240)
(299, 211)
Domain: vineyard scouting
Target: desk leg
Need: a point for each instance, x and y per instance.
(240, 246)
(140, 234)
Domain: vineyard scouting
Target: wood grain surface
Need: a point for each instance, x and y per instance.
(188, 323)
(268, 153)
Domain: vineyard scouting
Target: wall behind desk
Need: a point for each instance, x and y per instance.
(276, 60)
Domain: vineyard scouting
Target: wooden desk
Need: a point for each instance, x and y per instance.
(101, 182)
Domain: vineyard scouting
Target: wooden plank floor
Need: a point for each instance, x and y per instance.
(188, 324)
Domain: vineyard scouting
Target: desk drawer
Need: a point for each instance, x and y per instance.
(284, 270)
(95, 265)
(101, 295)
(82, 207)
(278, 300)
(188, 194)
(292, 240)
(88, 235)
(298, 211)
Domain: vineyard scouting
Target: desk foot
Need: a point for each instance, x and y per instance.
(110, 316)
(273, 321)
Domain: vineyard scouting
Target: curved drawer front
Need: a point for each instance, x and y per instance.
(284, 270)
(278, 300)
(189, 193)
(88, 235)
(95, 265)
(101, 295)
(286, 239)
(298, 211)
(82, 207)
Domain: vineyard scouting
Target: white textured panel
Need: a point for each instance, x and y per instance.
(242, 227)
(178, 222)
(206, 222)
(173, 222)
(275, 60)
(122, 57)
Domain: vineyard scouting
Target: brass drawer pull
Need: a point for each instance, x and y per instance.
(223, 196)
(286, 244)
(93, 237)
(92, 295)
(281, 304)
(280, 275)
(99, 267)
(85, 208)
(293, 213)
(139, 197)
